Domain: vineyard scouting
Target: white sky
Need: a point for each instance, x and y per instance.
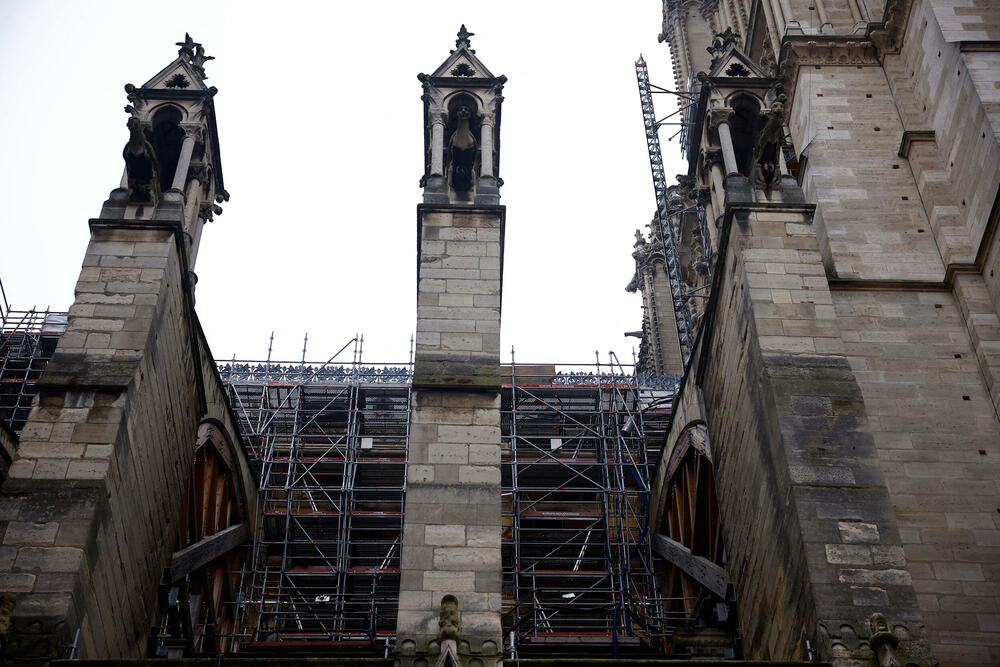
(320, 118)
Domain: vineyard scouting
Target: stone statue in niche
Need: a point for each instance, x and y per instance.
(767, 147)
(141, 166)
(462, 148)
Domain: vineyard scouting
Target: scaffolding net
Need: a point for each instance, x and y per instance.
(329, 446)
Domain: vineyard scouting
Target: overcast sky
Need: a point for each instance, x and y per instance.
(320, 119)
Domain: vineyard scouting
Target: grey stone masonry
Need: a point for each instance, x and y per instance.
(89, 510)
(459, 265)
(795, 458)
(451, 530)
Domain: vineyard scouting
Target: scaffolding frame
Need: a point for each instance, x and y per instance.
(579, 447)
(28, 339)
(329, 445)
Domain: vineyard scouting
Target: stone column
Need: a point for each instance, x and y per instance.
(191, 134)
(437, 145)
(712, 164)
(720, 122)
(486, 146)
(487, 189)
(451, 530)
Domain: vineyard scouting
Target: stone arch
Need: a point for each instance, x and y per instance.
(744, 125)
(166, 136)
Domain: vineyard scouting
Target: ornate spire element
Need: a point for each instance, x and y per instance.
(721, 44)
(463, 39)
(193, 54)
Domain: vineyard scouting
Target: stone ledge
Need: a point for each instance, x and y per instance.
(469, 375)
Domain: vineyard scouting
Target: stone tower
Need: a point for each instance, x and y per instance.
(92, 504)
(844, 371)
(451, 533)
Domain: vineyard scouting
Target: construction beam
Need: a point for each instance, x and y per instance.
(702, 570)
(205, 550)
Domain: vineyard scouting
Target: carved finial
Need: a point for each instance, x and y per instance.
(187, 47)
(463, 38)
(199, 59)
(721, 43)
(193, 54)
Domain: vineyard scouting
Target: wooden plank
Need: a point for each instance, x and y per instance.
(206, 550)
(702, 570)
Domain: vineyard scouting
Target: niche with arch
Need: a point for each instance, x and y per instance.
(462, 142)
(744, 126)
(166, 137)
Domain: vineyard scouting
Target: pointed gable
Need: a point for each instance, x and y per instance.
(734, 63)
(463, 63)
(178, 75)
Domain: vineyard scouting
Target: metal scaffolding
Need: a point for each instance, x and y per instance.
(329, 445)
(28, 339)
(579, 446)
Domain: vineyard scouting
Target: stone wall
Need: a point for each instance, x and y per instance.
(814, 549)
(451, 529)
(92, 501)
(458, 297)
(845, 119)
(938, 445)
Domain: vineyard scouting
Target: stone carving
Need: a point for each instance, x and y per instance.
(199, 59)
(177, 81)
(193, 54)
(463, 69)
(737, 69)
(883, 642)
(721, 44)
(449, 623)
(718, 116)
(888, 36)
(141, 165)
(767, 147)
(462, 148)
(463, 39)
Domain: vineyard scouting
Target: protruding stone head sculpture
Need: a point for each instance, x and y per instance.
(449, 621)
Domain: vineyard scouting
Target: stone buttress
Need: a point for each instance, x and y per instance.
(451, 533)
(92, 501)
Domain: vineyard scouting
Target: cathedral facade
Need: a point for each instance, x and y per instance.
(802, 466)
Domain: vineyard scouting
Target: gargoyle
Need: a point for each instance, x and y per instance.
(462, 148)
(767, 148)
(141, 166)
